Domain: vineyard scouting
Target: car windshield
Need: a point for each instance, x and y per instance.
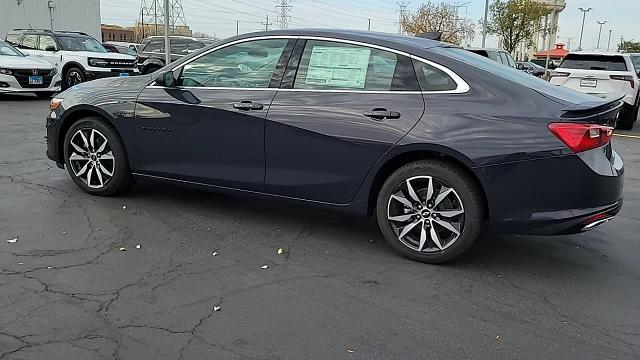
(594, 62)
(511, 74)
(81, 43)
(126, 50)
(8, 50)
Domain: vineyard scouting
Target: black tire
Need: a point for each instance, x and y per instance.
(149, 69)
(45, 94)
(73, 76)
(121, 179)
(628, 116)
(468, 193)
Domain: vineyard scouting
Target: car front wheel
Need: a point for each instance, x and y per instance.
(430, 211)
(73, 76)
(95, 157)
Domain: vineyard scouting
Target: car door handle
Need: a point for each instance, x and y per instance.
(382, 114)
(247, 105)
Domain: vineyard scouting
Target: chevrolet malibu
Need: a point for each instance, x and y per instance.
(435, 142)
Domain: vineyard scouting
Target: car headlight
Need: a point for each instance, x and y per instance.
(6, 72)
(98, 62)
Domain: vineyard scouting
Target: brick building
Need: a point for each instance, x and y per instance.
(117, 33)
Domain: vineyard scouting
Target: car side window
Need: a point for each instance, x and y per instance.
(47, 41)
(178, 47)
(249, 64)
(510, 61)
(30, 42)
(155, 46)
(433, 79)
(14, 39)
(327, 65)
(195, 45)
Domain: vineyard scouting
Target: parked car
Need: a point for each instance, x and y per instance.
(130, 45)
(531, 68)
(603, 74)
(119, 49)
(151, 56)
(77, 56)
(20, 73)
(436, 142)
(500, 56)
(553, 64)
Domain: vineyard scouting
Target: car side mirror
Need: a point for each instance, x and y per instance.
(50, 48)
(166, 79)
(519, 66)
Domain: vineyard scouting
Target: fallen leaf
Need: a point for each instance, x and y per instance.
(214, 254)
(280, 251)
(350, 351)
(216, 308)
(264, 266)
(99, 228)
(209, 228)
(124, 207)
(20, 263)
(138, 246)
(64, 233)
(497, 337)
(123, 249)
(12, 241)
(49, 267)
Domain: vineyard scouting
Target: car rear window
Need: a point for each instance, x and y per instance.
(636, 62)
(594, 62)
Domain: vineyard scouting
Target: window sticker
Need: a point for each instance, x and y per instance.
(338, 66)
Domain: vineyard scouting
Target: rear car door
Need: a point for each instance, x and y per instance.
(210, 127)
(48, 50)
(347, 104)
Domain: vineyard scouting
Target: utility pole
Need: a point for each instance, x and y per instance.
(609, 42)
(584, 15)
(621, 44)
(369, 26)
(284, 9)
(401, 14)
(142, 16)
(484, 23)
(266, 24)
(600, 32)
(167, 43)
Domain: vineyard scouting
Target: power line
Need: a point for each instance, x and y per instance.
(402, 13)
(266, 24)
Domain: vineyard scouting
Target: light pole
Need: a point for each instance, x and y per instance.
(484, 24)
(600, 32)
(609, 42)
(584, 15)
(167, 43)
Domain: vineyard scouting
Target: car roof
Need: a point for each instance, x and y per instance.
(398, 42)
(481, 48)
(47, 31)
(596, 53)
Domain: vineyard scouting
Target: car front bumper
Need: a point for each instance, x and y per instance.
(9, 84)
(106, 73)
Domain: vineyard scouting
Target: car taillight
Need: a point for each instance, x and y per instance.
(628, 78)
(558, 74)
(581, 137)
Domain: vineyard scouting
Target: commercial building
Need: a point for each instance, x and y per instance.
(75, 15)
(117, 33)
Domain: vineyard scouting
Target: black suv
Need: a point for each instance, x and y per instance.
(151, 56)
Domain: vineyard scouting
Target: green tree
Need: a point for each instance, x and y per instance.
(516, 21)
(441, 17)
(629, 46)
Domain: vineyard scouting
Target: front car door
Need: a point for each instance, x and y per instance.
(330, 122)
(210, 128)
(48, 50)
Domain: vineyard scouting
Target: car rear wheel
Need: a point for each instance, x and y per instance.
(95, 157)
(430, 211)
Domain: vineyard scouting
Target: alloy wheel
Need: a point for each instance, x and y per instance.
(426, 214)
(73, 78)
(91, 158)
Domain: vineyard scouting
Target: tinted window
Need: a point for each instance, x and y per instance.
(594, 62)
(511, 74)
(47, 41)
(178, 46)
(635, 59)
(503, 58)
(194, 45)
(493, 55)
(30, 42)
(480, 52)
(433, 79)
(14, 39)
(246, 65)
(154, 46)
(332, 65)
(510, 61)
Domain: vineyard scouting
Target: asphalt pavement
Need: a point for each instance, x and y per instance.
(192, 283)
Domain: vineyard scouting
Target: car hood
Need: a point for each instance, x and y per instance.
(23, 62)
(108, 89)
(99, 55)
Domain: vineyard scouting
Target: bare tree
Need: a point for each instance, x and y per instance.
(516, 21)
(443, 18)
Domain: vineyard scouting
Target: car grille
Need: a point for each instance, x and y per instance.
(121, 63)
(22, 75)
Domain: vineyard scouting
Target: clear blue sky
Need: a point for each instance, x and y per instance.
(219, 16)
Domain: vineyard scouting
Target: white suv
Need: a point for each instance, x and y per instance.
(601, 74)
(77, 56)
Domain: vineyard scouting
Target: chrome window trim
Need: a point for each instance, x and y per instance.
(461, 88)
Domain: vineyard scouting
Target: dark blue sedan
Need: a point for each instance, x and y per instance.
(436, 142)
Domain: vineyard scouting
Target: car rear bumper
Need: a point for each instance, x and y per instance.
(558, 195)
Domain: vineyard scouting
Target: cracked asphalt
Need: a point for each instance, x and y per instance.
(68, 292)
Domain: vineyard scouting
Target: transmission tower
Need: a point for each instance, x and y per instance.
(152, 16)
(402, 13)
(284, 10)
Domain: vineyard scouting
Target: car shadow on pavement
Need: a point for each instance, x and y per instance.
(19, 97)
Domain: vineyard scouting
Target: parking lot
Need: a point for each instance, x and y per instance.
(69, 290)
